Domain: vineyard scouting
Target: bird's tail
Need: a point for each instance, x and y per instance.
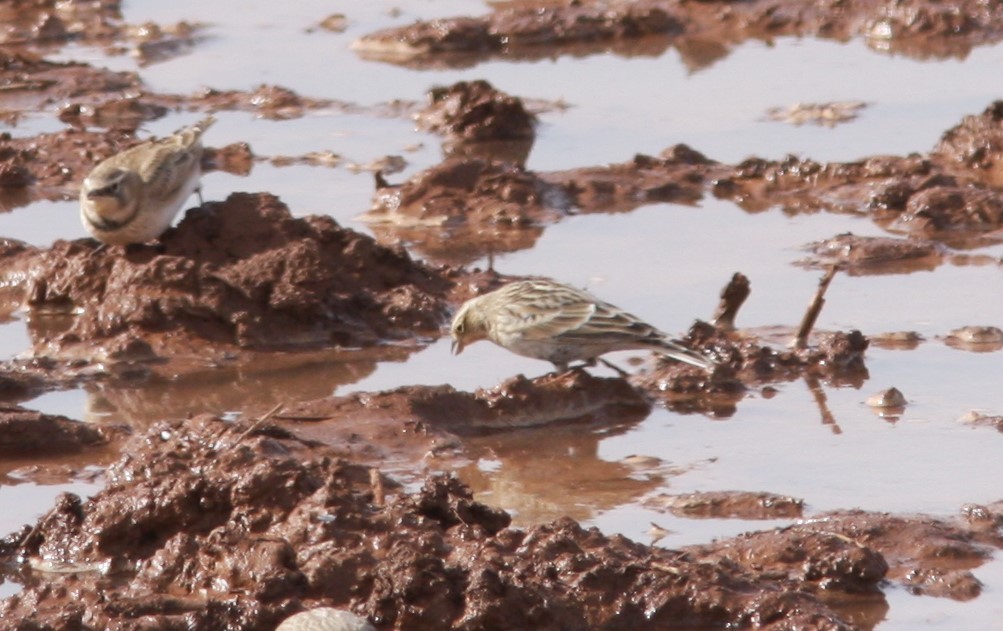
(675, 350)
(192, 133)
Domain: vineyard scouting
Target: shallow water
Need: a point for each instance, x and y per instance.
(664, 262)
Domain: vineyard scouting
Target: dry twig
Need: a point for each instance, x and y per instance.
(814, 309)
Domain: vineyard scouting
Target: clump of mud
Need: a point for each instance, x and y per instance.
(26, 433)
(476, 111)
(859, 256)
(920, 28)
(241, 273)
(518, 402)
(467, 208)
(208, 525)
(464, 207)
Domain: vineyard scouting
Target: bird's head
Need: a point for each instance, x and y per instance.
(469, 325)
(111, 198)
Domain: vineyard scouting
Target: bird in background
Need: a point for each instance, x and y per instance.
(548, 320)
(133, 196)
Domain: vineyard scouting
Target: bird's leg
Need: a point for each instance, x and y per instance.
(620, 371)
(560, 367)
(198, 191)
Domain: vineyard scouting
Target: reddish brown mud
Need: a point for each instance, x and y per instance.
(860, 256)
(532, 30)
(398, 428)
(208, 524)
(48, 24)
(477, 120)
(947, 197)
(746, 360)
(25, 434)
(242, 273)
(463, 208)
(729, 504)
(248, 528)
(476, 111)
(927, 556)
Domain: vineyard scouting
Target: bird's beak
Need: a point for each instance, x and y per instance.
(457, 347)
(96, 193)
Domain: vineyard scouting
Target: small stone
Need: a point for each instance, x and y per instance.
(325, 619)
(890, 398)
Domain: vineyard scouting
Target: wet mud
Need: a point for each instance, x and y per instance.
(944, 199)
(702, 32)
(729, 504)
(248, 524)
(242, 273)
(25, 433)
(208, 523)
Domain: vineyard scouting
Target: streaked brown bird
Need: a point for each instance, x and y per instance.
(548, 320)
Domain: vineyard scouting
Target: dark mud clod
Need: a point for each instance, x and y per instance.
(241, 273)
(288, 527)
(733, 296)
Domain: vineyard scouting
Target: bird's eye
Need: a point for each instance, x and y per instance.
(459, 328)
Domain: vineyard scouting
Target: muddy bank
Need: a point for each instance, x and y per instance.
(47, 25)
(728, 504)
(242, 273)
(926, 556)
(29, 434)
(249, 527)
(402, 429)
(518, 402)
(463, 208)
(947, 197)
(702, 32)
(467, 207)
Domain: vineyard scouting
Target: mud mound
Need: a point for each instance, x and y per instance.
(925, 555)
(25, 433)
(476, 111)
(859, 256)
(679, 175)
(745, 360)
(920, 28)
(244, 530)
(241, 273)
(461, 208)
(517, 402)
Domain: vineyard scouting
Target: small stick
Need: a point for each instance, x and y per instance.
(814, 309)
(376, 482)
(732, 298)
(301, 418)
(261, 421)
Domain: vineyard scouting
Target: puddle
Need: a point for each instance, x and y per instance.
(665, 262)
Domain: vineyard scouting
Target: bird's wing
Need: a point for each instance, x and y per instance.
(167, 168)
(544, 322)
(165, 164)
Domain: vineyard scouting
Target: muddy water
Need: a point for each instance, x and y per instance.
(665, 262)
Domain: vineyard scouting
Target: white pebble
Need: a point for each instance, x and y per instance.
(325, 619)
